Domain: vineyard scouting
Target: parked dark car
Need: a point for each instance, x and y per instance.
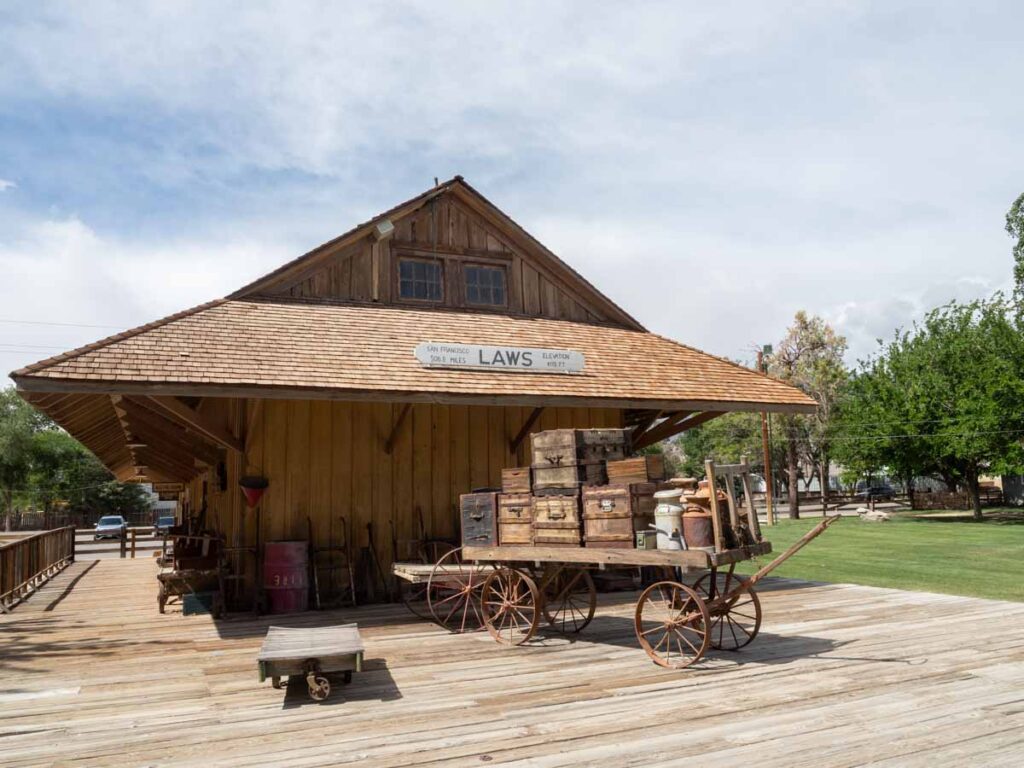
(163, 524)
(883, 492)
(110, 527)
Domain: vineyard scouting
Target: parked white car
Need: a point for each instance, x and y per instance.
(110, 527)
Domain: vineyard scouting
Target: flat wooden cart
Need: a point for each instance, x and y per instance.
(675, 623)
(314, 653)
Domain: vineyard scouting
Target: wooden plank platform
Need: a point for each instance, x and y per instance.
(92, 675)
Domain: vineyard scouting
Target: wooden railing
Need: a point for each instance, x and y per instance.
(28, 562)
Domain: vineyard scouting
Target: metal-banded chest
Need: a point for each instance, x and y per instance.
(613, 514)
(479, 519)
(515, 519)
(556, 520)
(570, 458)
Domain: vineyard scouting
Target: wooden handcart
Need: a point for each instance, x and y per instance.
(314, 653)
(675, 623)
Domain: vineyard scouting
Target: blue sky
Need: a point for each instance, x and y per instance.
(712, 167)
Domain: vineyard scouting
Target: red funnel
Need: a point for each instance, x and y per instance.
(253, 495)
(253, 488)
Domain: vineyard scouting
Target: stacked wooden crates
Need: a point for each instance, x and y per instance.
(564, 498)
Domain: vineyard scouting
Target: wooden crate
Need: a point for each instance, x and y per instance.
(516, 480)
(613, 514)
(515, 519)
(479, 519)
(570, 458)
(568, 476)
(556, 510)
(556, 520)
(638, 469)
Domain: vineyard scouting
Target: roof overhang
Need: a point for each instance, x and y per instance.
(29, 384)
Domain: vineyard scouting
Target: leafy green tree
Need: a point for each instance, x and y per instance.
(41, 465)
(945, 397)
(1015, 229)
(811, 358)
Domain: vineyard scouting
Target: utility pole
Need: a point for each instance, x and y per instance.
(766, 448)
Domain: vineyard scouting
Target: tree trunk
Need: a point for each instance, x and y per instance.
(823, 479)
(974, 488)
(908, 480)
(792, 469)
(8, 509)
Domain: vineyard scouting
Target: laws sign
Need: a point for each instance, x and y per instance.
(435, 354)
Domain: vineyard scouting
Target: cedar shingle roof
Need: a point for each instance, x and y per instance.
(321, 348)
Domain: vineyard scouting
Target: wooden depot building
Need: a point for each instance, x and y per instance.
(376, 378)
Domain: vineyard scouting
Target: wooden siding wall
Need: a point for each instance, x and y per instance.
(447, 227)
(326, 460)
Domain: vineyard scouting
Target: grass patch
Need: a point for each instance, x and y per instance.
(923, 551)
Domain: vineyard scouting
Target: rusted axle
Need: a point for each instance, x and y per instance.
(745, 584)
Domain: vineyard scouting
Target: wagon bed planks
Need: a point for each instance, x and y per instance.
(622, 558)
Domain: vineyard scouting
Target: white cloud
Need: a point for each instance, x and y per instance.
(713, 167)
(6, 184)
(62, 271)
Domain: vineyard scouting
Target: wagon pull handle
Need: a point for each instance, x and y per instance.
(557, 514)
(799, 544)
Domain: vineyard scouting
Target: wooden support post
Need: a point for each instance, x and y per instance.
(769, 487)
(514, 444)
(389, 445)
(133, 543)
(124, 546)
(716, 519)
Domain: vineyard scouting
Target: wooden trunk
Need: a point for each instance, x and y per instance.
(515, 519)
(570, 458)
(556, 520)
(515, 480)
(479, 519)
(612, 515)
(639, 469)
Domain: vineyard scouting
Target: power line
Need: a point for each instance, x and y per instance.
(64, 325)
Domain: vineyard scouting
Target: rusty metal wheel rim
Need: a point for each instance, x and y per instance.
(509, 601)
(570, 599)
(676, 618)
(453, 593)
(736, 621)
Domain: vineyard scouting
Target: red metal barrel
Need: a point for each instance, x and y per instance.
(286, 576)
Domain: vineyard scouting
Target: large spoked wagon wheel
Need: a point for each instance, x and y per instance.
(671, 624)
(453, 593)
(570, 599)
(511, 605)
(735, 618)
(414, 595)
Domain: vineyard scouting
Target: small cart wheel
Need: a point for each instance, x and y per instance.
(319, 687)
(570, 599)
(735, 618)
(671, 624)
(510, 603)
(276, 682)
(453, 593)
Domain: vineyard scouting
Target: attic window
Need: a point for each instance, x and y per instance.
(420, 280)
(485, 286)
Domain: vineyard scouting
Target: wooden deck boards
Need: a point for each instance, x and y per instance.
(842, 675)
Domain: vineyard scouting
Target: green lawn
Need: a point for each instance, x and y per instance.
(923, 551)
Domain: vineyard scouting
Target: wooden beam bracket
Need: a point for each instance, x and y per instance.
(196, 422)
(389, 445)
(516, 441)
